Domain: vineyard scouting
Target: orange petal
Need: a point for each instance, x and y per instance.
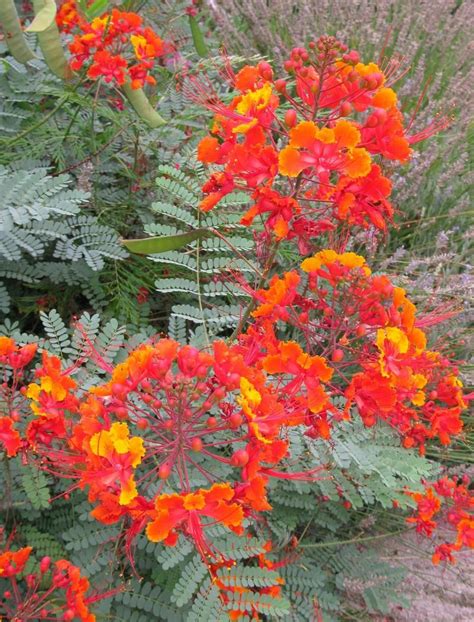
(303, 134)
(290, 162)
(358, 163)
(208, 150)
(347, 134)
(384, 98)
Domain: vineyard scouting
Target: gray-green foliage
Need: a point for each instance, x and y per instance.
(206, 296)
(43, 235)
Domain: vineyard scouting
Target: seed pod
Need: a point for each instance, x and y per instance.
(44, 25)
(14, 36)
(142, 106)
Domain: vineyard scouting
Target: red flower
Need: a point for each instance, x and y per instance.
(109, 66)
(9, 437)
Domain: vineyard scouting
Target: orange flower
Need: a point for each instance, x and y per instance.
(185, 511)
(108, 66)
(279, 295)
(208, 150)
(310, 370)
(7, 346)
(13, 563)
(325, 150)
(53, 390)
(459, 502)
(329, 257)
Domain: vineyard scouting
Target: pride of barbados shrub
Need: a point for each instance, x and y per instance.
(174, 441)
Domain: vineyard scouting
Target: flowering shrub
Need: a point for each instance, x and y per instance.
(172, 443)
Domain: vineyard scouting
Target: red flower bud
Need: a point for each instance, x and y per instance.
(196, 444)
(280, 85)
(346, 109)
(337, 355)
(44, 565)
(239, 458)
(235, 420)
(265, 70)
(164, 471)
(290, 117)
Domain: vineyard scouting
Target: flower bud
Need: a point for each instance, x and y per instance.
(280, 85)
(239, 458)
(196, 444)
(44, 565)
(337, 355)
(346, 109)
(235, 420)
(142, 423)
(265, 70)
(164, 471)
(290, 117)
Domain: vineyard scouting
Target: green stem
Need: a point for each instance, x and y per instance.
(44, 120)
(260, 284)
(14, 37)
(322, 545)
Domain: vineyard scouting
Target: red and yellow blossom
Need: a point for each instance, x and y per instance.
(114, 456)
(454, 501)
(55, 387)
(308, 148)
(51, 398)
(186, 512)
(115, 46)
(368, 326)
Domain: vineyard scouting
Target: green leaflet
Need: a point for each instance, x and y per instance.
(198, 39)
(161, 244)
(13, 33)
(45, 13)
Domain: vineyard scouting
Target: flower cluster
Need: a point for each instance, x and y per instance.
(368, 329)
(453, 500)
(13, 360)
(115, 46)
(171, 412)
(187, 409)
(309, 149)
(57, 590)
